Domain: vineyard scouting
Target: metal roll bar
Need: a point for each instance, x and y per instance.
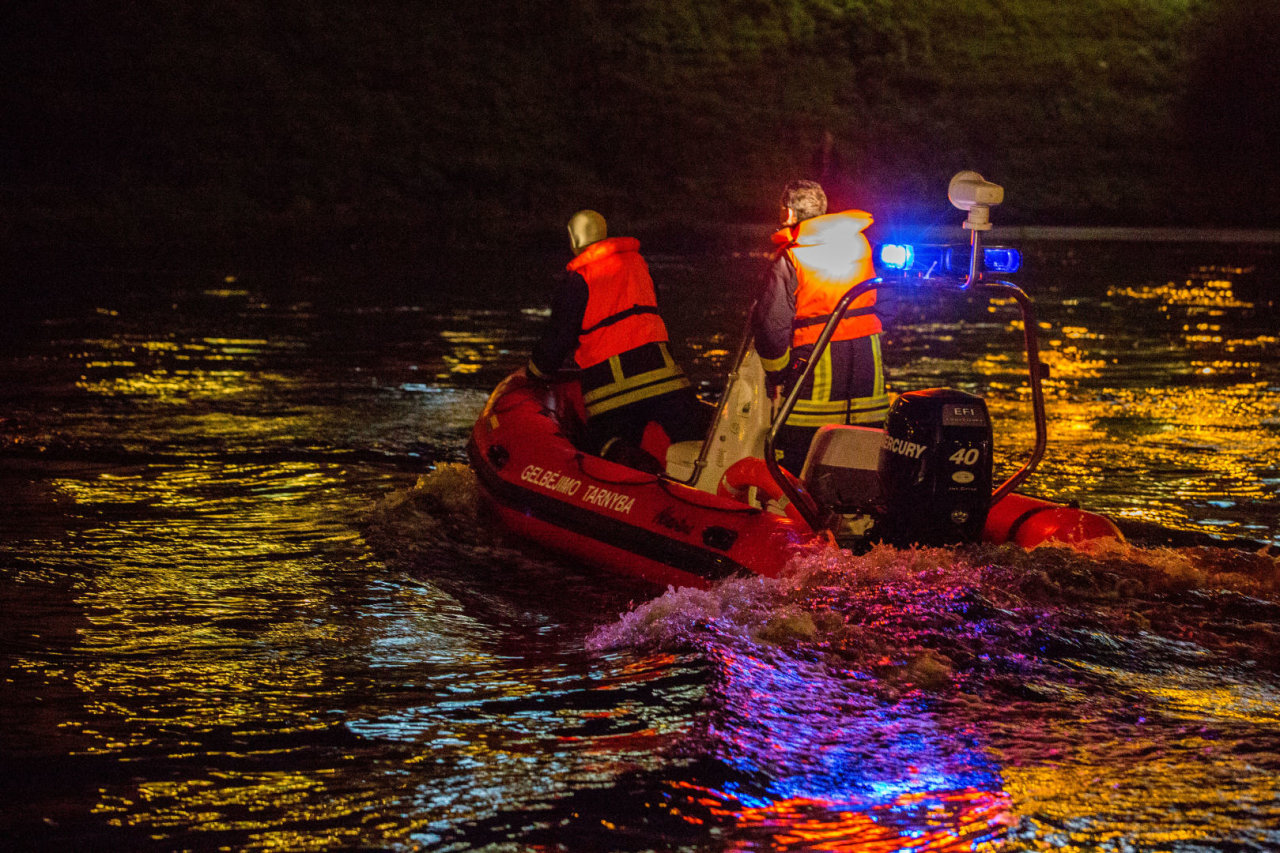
(804, 502)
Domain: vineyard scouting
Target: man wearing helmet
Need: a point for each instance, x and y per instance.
(819, 257)
(605, 315)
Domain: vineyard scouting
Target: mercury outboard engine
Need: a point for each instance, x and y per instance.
(935, 468)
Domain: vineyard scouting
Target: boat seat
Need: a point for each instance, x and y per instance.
(681, 456)
(842, 469)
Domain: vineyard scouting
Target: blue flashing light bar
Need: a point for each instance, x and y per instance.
(900, 257)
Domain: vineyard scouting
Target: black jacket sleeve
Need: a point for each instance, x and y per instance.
(560, 339)
(775, 312)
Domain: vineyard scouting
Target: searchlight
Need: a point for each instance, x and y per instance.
(969, 191)
(972, 193)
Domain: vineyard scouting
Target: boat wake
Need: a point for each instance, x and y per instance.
(965, 697)
(437, 532)
(968, 693)
(939, 612)
(442, 507)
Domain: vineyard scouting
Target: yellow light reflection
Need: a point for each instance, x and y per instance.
(1184, 453)
(182, 385)
(1194, 696)
(197, 611)
(216, 642)
(1071, 362)
(469, 352)
(1174, 446)
(149, 371)
(1203, 291)
(1144, 791)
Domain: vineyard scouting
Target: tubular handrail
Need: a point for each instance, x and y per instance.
(1036, 373)
(808, 508)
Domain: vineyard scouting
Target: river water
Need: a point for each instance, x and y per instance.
(246, 600)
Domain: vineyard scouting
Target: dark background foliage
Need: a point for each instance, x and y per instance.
(395, 121)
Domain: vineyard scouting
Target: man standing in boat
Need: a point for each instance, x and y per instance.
(605, 314)
(819, 257)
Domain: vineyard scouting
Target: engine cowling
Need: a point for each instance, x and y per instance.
(935, 468)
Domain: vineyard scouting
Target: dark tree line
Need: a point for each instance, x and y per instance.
(124, 121)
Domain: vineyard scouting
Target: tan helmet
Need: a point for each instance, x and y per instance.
(586, 227)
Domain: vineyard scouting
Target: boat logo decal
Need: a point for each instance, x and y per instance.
(551, 480)
(576, 520)
(903, 447)
(671, 521)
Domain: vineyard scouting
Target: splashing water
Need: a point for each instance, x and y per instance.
(859, 692)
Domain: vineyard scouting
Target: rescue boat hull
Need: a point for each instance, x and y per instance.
(538, 486)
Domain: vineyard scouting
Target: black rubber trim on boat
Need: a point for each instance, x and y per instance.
(1012, 534)
(628, 537)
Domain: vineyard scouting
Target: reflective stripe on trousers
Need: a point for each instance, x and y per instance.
(819, 409)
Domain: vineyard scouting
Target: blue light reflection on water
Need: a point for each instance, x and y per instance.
(821, 744)
(825, 749)
(870, 686)
(815, 734)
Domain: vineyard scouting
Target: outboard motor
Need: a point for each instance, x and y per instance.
(935, 468)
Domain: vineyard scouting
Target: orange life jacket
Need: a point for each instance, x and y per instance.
(831, 255)
(622, 309)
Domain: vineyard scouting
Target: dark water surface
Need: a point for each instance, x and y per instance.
(246, 601)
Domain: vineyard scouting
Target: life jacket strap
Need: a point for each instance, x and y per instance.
(849, 314)
(633, 311)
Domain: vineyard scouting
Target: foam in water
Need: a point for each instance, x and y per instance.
(921, 618)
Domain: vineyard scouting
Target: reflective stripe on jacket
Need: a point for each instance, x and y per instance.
(830, 255)
(629, 377)
(622, 308)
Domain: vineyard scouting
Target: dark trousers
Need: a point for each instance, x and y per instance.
(792, 446)
(680, 414)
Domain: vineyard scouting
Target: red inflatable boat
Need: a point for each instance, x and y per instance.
(724, 506)
(544, 488)
(540, 486)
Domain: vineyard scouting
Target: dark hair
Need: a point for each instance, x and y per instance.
(806, 198)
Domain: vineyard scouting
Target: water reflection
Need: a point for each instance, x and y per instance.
(941, 820)
(212, 640)
(938, 697)
(232, 620)
(845, 770)
(818, 716)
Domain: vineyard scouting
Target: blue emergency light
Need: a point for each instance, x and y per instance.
(1001, 259)
(896, 256)
(901, 257)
